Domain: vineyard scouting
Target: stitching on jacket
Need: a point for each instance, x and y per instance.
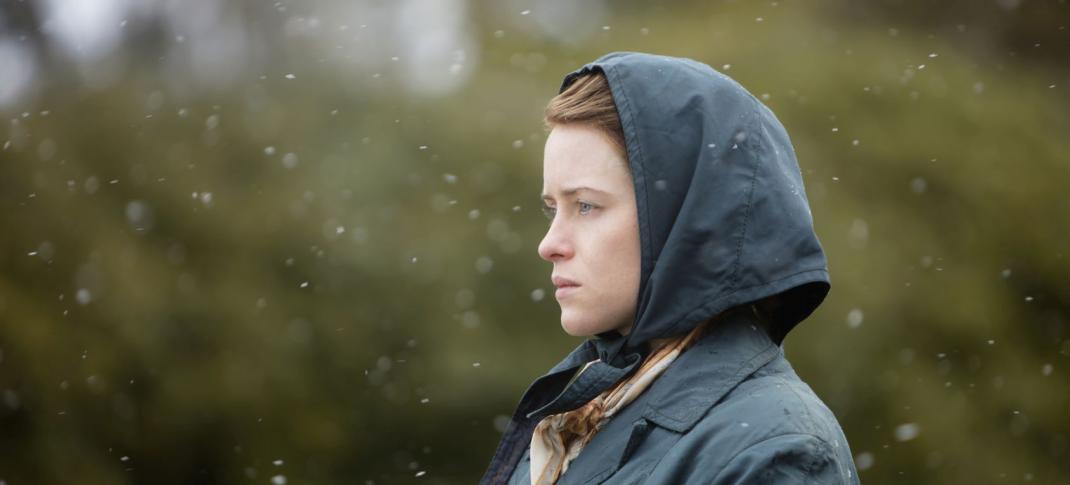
(734, 278)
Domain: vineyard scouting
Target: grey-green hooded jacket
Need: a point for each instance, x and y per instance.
(723, 221)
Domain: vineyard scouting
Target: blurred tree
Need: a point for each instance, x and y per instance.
(310, 268)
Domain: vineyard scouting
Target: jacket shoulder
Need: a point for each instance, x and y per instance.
(774, 400)
(772, 425)
(788, 458)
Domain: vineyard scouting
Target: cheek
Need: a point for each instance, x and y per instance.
(615, 249)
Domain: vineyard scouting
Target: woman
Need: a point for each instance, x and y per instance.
(682, 242)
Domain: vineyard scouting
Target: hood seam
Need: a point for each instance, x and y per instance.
(750, 199)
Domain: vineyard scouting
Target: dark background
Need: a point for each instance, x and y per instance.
(295, 242)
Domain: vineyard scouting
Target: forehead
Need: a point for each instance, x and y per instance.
(582, 155)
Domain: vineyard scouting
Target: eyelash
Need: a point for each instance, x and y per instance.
(549, 212)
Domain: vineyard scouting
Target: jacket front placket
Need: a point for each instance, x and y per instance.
(594, 379)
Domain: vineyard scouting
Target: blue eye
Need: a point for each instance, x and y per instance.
(584, 209)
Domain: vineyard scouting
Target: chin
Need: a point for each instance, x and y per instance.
(579, 328)
(573, 328)
(575, 332)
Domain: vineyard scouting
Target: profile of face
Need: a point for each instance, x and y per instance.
(593, 238)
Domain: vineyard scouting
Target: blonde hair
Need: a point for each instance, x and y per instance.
(588, 100)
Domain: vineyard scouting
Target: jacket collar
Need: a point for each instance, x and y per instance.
(733, 348)
(573, 390)
(547, 391)
(559, 390)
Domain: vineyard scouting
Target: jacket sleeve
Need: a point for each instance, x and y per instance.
(788, 458)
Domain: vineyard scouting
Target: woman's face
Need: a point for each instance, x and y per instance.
(593, 239)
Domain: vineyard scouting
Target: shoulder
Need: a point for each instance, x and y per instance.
(788, 458)
(774, 400)
(770, 427)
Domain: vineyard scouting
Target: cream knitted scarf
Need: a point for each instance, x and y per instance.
(559, 438)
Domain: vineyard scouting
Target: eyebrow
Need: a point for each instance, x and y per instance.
(573, 190)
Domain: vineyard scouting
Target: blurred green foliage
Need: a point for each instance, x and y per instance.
(314, 274)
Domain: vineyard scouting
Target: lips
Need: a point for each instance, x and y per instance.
(561, 281)
(565, 286)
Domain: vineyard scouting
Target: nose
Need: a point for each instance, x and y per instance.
(556, 245)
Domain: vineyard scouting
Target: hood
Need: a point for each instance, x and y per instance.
(723, 216)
